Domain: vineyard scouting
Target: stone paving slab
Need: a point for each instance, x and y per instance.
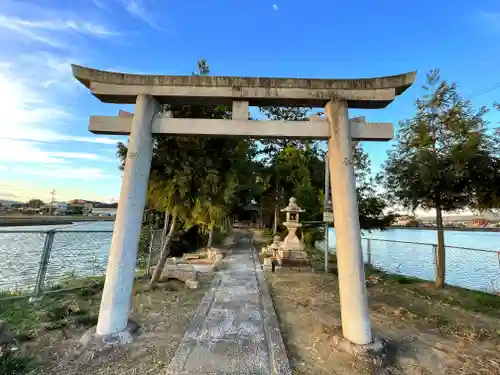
(235, 330)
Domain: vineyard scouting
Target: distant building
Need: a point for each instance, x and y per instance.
(404, 220)
(77, 202)
(479, 223)
(60, 207)
(87, 208)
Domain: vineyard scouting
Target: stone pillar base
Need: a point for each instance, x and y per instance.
(374, 352)
(92, 341)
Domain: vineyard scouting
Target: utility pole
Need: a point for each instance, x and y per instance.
(276, 214)
(327, 208)
(52, 201)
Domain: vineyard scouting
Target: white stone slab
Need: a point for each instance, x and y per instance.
(243, 128)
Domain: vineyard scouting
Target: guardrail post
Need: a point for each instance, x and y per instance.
(435, 248)
(369, 251)
(326, 247)
(44, 261)
(148, 264)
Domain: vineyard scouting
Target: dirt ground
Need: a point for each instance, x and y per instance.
(426, 334)
(51, 333)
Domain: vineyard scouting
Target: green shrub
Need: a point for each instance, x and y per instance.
(13, 363)
(313, 235)
(143, 253)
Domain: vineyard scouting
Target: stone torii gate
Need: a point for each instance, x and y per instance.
(148, 92)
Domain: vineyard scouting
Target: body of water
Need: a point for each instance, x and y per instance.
(82, 249)
(472, 258)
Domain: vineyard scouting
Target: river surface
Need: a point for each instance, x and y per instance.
(472, 258)
(82, 249)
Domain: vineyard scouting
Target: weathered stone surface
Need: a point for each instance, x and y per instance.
(228, 241)
(218, 262)
(233, 331)
(180, 272)
(91, 342)
(192, 284)
(268, 264)
(171, 261)
(212, 253)
(123, 88)
(6, 335)
(191, 256)
(370, 131)
(373, 353)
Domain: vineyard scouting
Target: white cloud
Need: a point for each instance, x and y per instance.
(22, 25)
(275, 7)
(75, 155)
(100, 4)
(101, 140)
(3, 167)
(25, 152)
(27, 104)
(489, 20)
(138, 9)
(21, 151)
(70, 173)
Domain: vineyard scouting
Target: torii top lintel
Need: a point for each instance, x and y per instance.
(369, 93)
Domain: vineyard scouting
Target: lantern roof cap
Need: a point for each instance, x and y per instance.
(292, 206)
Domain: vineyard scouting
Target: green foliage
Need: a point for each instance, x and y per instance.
(445, 158)
(208, 179)
(200, 178)
(13, 363)
(143, 253)
(313, 235)
(35, 203)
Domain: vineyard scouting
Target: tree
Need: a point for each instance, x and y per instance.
(296, 168)
(443, 160)
(195, 179)
(36, 203)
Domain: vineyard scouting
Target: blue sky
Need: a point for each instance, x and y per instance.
(44, 142)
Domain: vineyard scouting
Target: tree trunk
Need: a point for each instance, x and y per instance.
(275, 225)
(165, 250)
(440, 251)
(165, 228)
(210, 237)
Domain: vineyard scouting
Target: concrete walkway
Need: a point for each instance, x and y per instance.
(235, 330)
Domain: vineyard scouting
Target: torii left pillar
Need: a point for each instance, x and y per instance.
(116, 298)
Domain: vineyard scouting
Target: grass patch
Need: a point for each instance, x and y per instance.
(13, 363)
(464, 298)
(11, 293)
(391, 278)
(27, 320)
(453, 296)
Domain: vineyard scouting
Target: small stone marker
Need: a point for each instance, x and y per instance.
(268, 264)
(171, 261)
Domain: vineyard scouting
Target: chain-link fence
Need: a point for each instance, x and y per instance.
(475, 269)
(35, 261)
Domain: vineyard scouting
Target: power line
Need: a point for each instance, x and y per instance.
(485, 90)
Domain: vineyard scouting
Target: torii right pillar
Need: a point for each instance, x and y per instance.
(353, 297)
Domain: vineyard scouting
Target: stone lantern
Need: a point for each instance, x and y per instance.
(292, 249)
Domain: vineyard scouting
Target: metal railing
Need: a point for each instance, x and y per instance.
(39, 260)
(476, 269)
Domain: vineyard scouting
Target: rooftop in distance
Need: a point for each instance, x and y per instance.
(123, 88)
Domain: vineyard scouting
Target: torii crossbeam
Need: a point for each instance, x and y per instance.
(147, 92)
